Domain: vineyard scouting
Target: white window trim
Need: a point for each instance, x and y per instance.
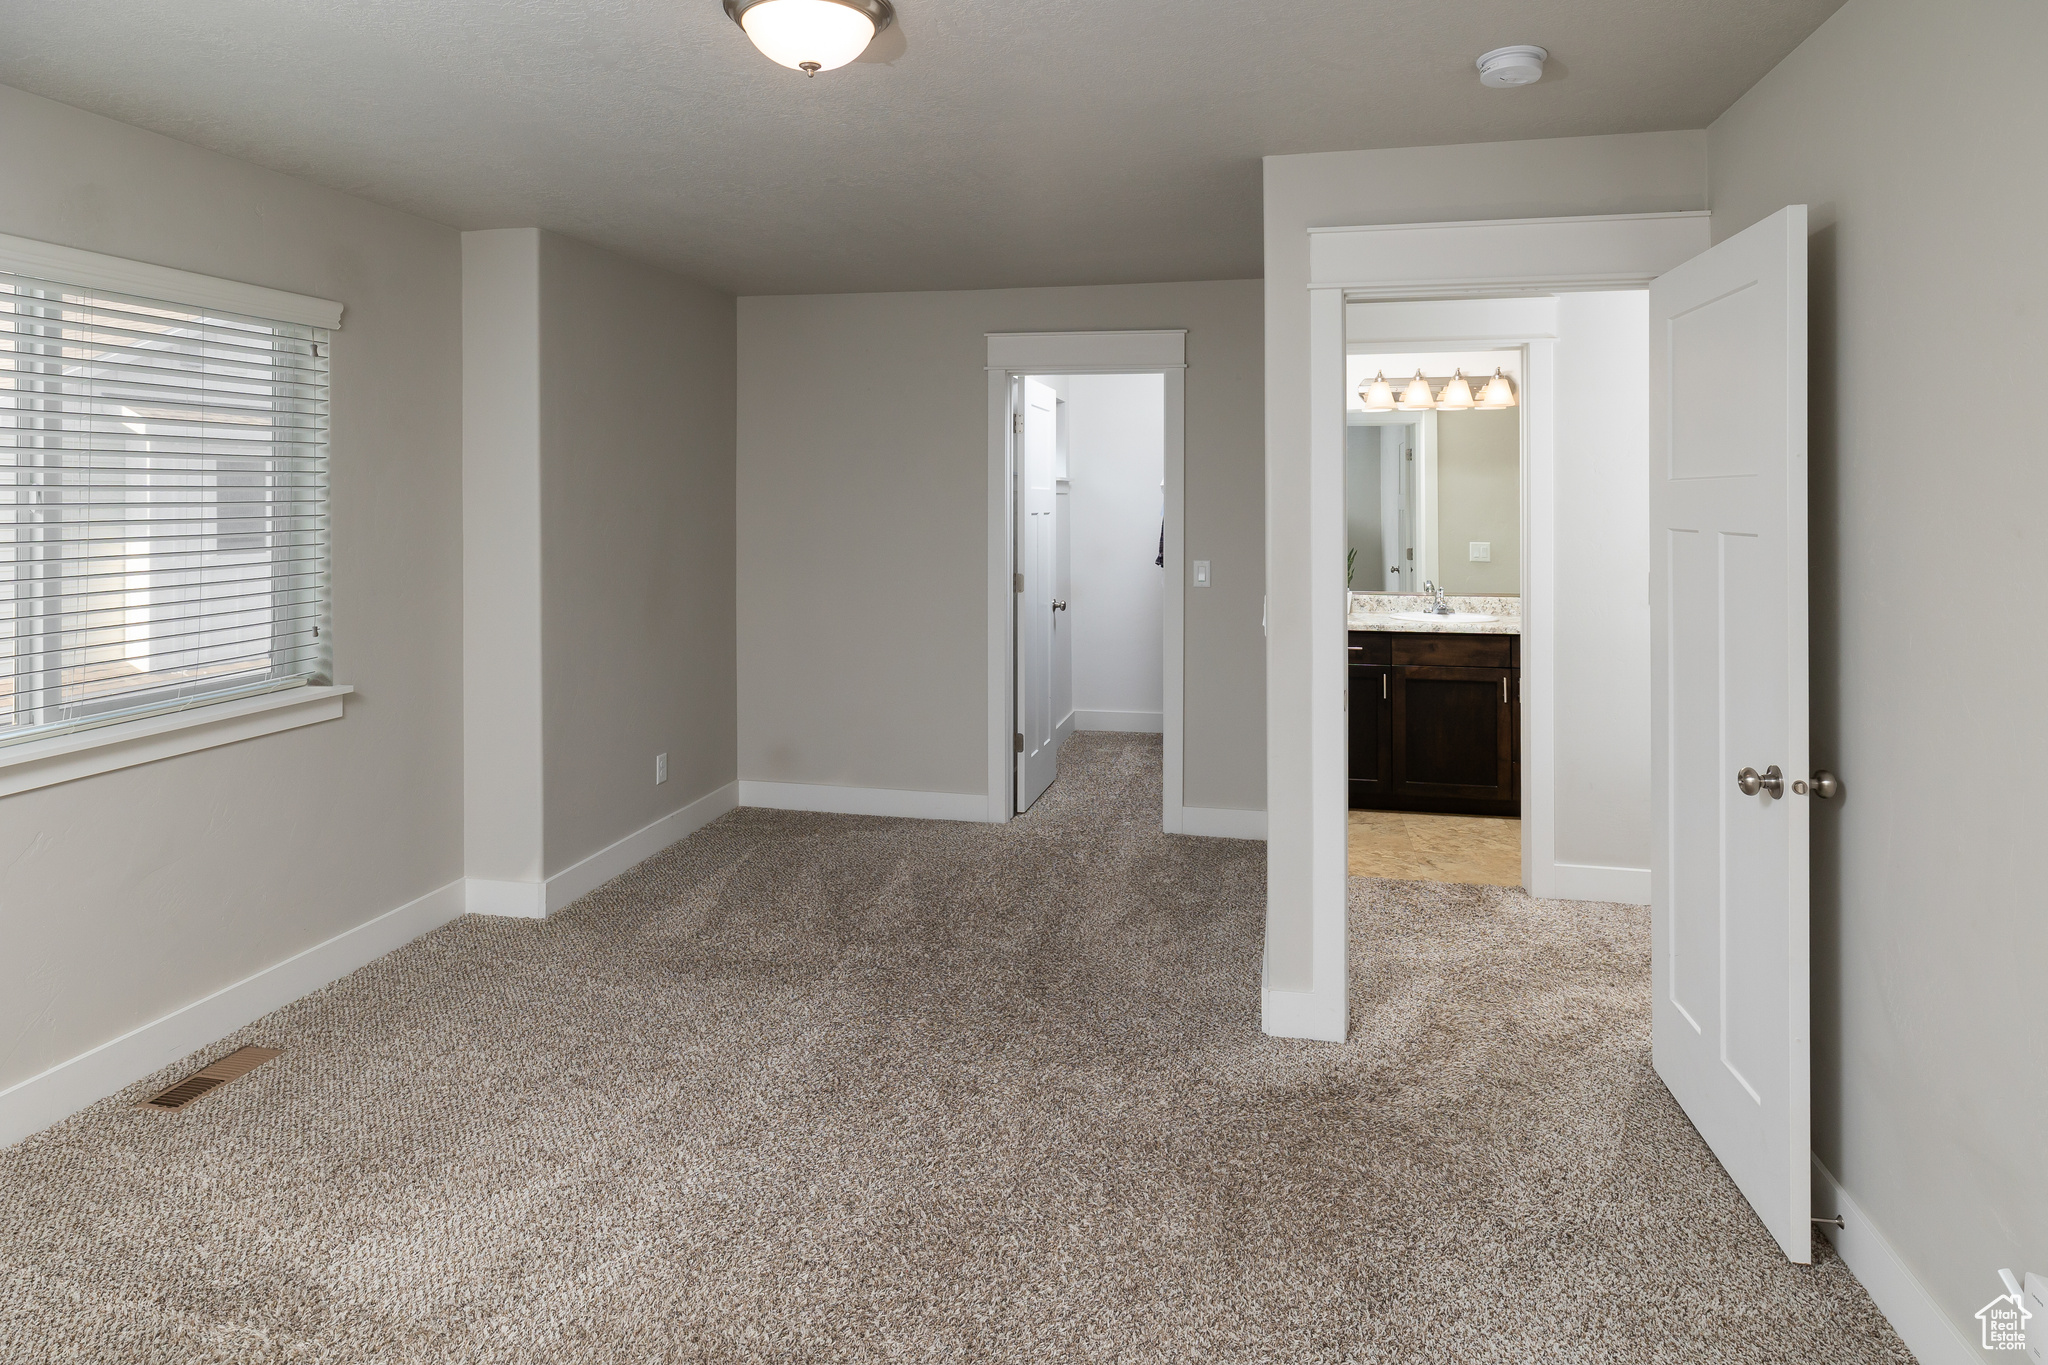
(105, 748)
(206, 724)
(92, 270)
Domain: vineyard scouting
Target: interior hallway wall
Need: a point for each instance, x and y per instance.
(1117, 447)
(133, 893)
(639, 372)
(1601, 787)
(1544, 178)
(863, 463)
(1913, 144)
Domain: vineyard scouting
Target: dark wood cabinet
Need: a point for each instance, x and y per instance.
(1435, 722)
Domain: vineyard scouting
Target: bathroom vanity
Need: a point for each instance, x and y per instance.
(1435, 705)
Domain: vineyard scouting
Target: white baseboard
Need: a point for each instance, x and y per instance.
(1591, 882)
(1912, 1311)
(1215, 822)
(1063, 732)
(34, 1104)
(580, 879)
(513, 900)
(1314, 1015)
(832, 800)
(1122, 722)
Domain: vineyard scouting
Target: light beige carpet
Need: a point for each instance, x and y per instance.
(816, 1088)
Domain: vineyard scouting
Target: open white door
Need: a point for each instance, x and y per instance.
(1729, 694)
(1037, 505)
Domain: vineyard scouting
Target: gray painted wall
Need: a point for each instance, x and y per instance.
(863, 465)
(1627, 173)
(130, 894)
(1913, 144)
(1479, 490)
(503, 775)
(638, 372)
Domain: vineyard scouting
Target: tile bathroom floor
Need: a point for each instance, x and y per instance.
(1478, 850)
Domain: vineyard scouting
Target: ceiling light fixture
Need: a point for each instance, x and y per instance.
(812, 35)
(1521, 64)
(1377, 396)
(1416, 397)
(1500, 393)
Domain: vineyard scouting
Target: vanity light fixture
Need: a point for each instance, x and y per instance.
(1377, 396)
(1500, 393)
(1457, 395)
(811, 35)
(1416, 397)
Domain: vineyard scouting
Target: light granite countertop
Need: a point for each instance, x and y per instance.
(1375, 611)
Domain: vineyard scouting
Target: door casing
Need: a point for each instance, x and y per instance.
(1496, 268)
(1012, 355)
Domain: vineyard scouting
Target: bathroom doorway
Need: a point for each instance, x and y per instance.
(1433, 515)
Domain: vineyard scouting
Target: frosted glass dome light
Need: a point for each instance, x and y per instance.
(811, 35)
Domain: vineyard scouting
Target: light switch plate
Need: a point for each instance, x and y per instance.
(660, 769)
(1480, 551)
(1201, 573)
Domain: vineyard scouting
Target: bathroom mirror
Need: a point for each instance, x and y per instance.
(1433, 495)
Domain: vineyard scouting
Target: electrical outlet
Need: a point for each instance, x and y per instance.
(1201, 573)
(1479, 552)
(660, 769)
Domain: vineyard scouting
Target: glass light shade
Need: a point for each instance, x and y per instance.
(808, 35)
(1416, 397)
(1500, 393)
(1457, 395)
(1378, 396)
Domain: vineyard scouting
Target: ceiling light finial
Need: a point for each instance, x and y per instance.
(811, 35)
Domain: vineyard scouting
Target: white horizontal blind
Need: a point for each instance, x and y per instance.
(163, 506)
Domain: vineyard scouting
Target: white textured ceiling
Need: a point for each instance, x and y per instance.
(981, 143)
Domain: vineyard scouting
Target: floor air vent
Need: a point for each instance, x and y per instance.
(240, 1062)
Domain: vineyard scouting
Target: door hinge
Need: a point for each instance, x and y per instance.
(1020, 582)
(1020, 744)
(1017, 421)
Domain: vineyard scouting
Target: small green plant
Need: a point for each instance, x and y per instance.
(1350, 567)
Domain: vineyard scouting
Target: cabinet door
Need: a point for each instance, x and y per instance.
(1453, 739)
(1370, 709)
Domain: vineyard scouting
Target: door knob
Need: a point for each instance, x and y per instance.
(1770, 780)
(1058, 604)
(1825, 785)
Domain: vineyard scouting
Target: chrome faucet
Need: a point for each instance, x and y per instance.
(1438, 606)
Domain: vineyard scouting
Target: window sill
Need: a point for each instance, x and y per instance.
(65, 758)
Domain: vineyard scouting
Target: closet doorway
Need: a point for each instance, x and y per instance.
(1086, 454)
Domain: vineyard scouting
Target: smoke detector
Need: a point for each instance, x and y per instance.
(1517, 65)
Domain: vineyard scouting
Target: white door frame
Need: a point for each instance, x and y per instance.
(1489, 260)
(1011, 354)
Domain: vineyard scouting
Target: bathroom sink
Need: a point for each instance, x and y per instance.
(1456, 618)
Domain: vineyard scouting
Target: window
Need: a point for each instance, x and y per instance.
(163, 503)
